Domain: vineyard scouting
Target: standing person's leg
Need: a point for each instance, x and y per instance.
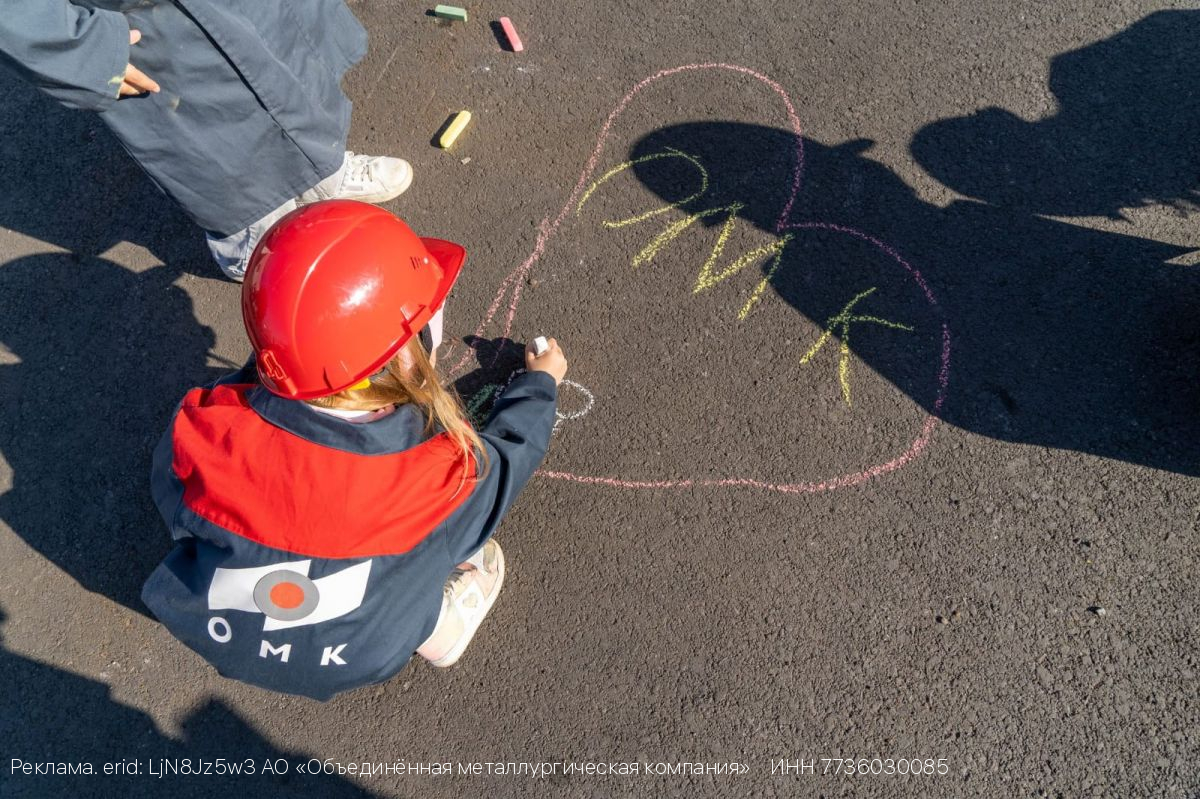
(365, 178)
(232, 253)
(239, 146)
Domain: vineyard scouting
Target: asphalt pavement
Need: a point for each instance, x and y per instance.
(881, 445)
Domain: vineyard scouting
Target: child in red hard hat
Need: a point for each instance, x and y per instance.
(331, 506)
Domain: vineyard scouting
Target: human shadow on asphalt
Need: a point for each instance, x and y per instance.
(496, 361)
(93, 356)
(1123, 133)
(48, 715)
(1061, 336)
(68, 182)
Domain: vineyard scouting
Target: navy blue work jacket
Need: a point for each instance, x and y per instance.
(251, 112)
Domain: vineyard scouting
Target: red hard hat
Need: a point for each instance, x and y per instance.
(335, 289)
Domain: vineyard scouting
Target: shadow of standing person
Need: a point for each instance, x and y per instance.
(1061, 336)
(96, 354)
(72, 720)
(1124, 133)
(67, 182)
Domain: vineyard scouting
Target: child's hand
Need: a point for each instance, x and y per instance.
(552, 361)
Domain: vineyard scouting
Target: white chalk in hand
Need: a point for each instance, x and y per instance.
(540, 346)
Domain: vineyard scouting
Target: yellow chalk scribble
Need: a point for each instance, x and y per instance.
(708, 276)
(841, 324)
(672, 231)
(670, 152)
(762, 284)
(706, 279)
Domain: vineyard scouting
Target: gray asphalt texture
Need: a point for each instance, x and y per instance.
(1018, 597)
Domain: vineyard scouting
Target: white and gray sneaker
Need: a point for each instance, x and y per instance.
(367, 178)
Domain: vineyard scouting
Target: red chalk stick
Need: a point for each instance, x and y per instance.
(511, 33)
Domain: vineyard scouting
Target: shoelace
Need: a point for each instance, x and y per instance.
(358, 168)
(455, 575)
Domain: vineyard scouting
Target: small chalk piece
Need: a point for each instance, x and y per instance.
(513, 39)
(540, 346)
(450, 12)
(457, 125)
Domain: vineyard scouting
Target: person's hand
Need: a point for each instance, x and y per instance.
(136, 81)
(552, 361)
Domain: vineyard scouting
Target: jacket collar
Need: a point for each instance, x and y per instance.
(400, 430)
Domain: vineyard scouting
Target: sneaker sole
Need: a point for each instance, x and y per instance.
(460, 646)
(372, 198)
(385, 196)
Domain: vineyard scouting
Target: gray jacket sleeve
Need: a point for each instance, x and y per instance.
(76, 55)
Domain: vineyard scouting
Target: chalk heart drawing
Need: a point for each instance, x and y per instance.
(500, 314)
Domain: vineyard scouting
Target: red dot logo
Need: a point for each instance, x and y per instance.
(286, 595)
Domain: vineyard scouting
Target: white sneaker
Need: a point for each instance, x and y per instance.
(367, 178)
(468, 596)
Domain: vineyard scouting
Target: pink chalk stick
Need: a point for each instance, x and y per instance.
(511, 33)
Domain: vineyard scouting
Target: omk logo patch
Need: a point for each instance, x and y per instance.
(285, 594)
(287, 597)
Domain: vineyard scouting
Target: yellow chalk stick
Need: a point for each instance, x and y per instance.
(456, 126)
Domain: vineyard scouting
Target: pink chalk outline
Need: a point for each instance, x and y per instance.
(516, 279)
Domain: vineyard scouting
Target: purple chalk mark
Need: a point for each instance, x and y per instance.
(546, 229)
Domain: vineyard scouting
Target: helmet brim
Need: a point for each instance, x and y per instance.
(451, 257)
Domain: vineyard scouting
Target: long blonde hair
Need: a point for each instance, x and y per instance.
(410, 377)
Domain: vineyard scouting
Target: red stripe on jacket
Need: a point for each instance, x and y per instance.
(273, 487)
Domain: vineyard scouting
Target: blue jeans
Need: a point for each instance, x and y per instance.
(232, 253)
